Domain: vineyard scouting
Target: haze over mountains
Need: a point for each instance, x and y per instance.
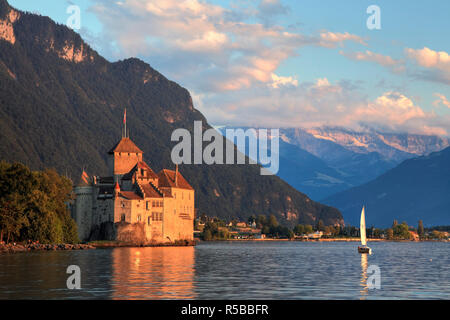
(61, 106)
(323, 161)
(417, 189)
(357, 157)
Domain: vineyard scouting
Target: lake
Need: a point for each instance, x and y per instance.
(233, 270)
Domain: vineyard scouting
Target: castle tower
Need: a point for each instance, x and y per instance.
(124, 155)
(83, 206)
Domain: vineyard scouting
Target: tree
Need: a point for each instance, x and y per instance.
(401, 231)
(437, 235)
(299, 229)
(337, 231)
(207, 235)
(420, 230)
(261, 220)
(320, 226)
(394, 223)
(12, 216)
(377, 233)
(308, 228)
(273, 221)
(390, 234)
(290, 234)
(33, 205)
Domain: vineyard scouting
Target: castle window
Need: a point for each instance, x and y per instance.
(128, 154)
(122, 217)
(161, 203)
(142, 171)
(148, 205)
(149, 220)
(139, 218)
(157, 216)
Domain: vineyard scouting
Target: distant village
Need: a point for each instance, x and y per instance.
(267, 228)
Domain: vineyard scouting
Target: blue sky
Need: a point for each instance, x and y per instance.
(281, 63)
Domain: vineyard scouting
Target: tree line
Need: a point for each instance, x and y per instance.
(216, 229)
(33, 205)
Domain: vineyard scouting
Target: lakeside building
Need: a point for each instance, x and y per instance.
(134, 204)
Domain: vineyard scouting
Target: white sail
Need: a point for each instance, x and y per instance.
(362, 228)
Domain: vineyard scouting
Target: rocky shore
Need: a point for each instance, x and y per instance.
(17, 247)
(118, 244)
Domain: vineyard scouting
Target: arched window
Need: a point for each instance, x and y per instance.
(122, 217)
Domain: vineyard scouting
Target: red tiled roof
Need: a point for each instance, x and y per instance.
(130, 195)
(125, 145)
(167, 179)
(140, 165)
(84, 179)
(150, 191)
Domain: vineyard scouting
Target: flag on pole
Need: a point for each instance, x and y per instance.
(125, 116)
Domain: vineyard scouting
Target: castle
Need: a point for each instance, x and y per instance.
(134, 204)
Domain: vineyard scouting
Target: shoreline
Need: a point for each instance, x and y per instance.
(325, 240)
(115, 244)
(31, 247)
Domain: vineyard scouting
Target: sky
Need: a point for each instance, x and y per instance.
(276, 63)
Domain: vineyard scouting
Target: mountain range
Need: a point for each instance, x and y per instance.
(61, 106)
(417, 189)
(323, 161)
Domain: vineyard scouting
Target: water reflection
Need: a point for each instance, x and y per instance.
(153, 273)
(235, 270)
(364, 290)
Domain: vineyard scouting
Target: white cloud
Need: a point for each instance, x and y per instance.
(332, 39)
(429, 58)
(230, 64)
(322, 103)
(207, 46)
(442, 100)
(394, 65)
(391, 109)
(435, 63)
(278, 81)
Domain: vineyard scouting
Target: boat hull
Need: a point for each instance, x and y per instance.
(364, 250)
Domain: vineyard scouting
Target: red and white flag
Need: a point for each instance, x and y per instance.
(125, 116)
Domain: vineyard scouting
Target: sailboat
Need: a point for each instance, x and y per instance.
(363, 248)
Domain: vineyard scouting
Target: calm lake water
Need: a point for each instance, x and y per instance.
(233, 270)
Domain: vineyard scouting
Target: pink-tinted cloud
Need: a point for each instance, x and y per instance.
(321, 103)
(231, 66)
(442, 100)
(204, 44)
(436, 64)
(394, 65)
(333, 39)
